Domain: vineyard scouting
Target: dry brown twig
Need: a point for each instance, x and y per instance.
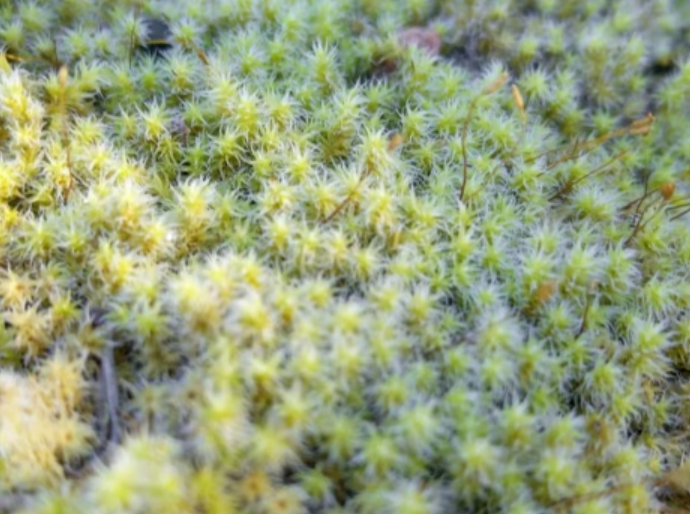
(487, 91)
(588, 305)
(395, 141)
(638, 127)
(572, 183)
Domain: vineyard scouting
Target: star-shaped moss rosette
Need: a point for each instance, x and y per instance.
(344, 256)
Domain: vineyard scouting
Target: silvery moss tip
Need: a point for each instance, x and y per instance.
(342, 256)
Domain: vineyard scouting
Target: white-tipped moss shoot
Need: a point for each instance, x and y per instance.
(337, 256)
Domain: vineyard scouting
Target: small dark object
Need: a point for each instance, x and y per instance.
(158, 36)
(97, 316)
(661, 68)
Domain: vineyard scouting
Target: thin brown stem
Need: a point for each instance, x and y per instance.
(681, 205)
(109, 378)
(70, 184)
(637, 201)
(157, 42)
(463, 142)
(636, 128)
(641, 223)
(347, 199)
(636, 229)
(137, 12)
(600, 168)
(489, 90)
(56, 58)
(569, 185)
(574, 154)
(683, 213)
(646, 192)
(585, 315)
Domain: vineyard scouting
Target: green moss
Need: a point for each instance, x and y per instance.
(302, 260)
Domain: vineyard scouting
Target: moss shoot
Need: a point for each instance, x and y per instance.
(344, 256)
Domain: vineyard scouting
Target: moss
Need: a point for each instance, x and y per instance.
(410, 256)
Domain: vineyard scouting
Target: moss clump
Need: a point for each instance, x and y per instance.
(361, 256)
